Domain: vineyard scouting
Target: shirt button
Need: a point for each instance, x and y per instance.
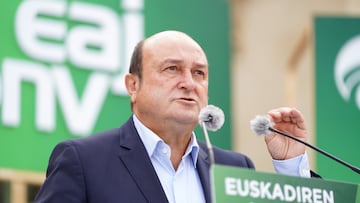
(164, 150)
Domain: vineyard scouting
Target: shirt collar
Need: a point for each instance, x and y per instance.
(151, 141)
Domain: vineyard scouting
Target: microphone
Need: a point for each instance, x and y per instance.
(262, 125)
(211, 118)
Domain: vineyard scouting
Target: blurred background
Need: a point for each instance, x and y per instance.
(62, 65)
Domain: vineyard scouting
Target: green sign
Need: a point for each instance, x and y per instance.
(234, 185)
(337, 56)
(62, 65)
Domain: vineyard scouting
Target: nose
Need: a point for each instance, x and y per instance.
(187, 81)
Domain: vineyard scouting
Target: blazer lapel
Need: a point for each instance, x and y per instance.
(203, 167)
(138, 163)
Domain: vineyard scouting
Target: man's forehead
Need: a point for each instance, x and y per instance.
(173, 43)
(169, 34)
(170, 38)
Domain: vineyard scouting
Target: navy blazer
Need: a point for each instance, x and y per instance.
(113, 167)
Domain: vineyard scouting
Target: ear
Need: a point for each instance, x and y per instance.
(132, 84)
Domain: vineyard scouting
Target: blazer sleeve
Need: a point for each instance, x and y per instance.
(64, 177)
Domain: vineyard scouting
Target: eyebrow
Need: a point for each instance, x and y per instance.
(177, 61)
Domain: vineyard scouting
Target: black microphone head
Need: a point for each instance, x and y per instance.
(212, 117)
(260, 125)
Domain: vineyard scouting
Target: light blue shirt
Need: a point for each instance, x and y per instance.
(183, 185)
(297, 166)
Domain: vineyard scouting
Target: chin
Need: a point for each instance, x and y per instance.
(187, 119)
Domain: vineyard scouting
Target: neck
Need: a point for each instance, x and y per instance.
(178, 143)
(174, 134)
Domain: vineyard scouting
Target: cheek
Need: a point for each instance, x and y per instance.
(203, 95)
(204, 90)
(152, 93)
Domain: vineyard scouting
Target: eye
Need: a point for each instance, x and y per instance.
(171, 68)
(199, 72)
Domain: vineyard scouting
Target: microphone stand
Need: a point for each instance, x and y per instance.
(354, 168)
(208, 144)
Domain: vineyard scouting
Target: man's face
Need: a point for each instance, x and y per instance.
(174, 83)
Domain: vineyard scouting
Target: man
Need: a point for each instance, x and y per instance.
(154, 156)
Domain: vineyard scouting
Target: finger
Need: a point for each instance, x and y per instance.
(297, 118)
(281, 114)
(275, 116)
(286, 116)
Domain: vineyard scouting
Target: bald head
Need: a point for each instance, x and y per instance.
(171, 37)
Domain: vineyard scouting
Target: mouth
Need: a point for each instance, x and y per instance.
(187, 100)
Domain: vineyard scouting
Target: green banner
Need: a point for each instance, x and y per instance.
(337, 57)
(62, 65)
(234, 185)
